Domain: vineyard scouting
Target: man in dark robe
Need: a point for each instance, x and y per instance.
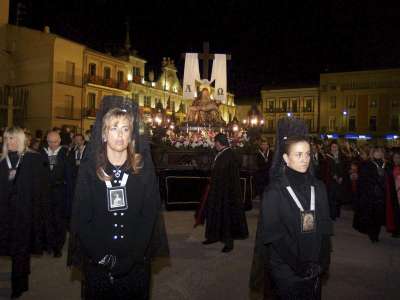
(335, 179)
(369, 211)
(66, 137)
(317, 158)
(224, 215)
(56, 225)
(263, 160)
(75, 156)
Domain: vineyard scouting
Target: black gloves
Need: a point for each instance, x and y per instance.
(309, 270)
(116, 267)
(108, 261)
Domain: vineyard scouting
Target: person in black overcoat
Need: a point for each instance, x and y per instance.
(75, 156)
(335, 176)
(298, 244)
(263, 161)
(317, 159)
(293, 242)
(116, 213)
(369, 211)
(224, 213)
(22, 181)
(58, 176)
(393, 195)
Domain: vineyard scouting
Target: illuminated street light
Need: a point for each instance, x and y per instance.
(289, 114)
(130, 77)
(158, 120)
(235, 128)
(344, 113)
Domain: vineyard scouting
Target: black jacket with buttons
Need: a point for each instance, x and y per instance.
(124, 233)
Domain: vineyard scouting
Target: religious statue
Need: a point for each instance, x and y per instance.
(204, 109)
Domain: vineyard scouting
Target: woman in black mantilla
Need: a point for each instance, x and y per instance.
(21, 182)
(116, 206)
(295, 224)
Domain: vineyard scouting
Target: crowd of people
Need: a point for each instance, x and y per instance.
(82, 184)
(366, 177)
(37, 187)
(202, 138)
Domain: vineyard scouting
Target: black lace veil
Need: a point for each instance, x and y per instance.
(108, 103)
(287, 127)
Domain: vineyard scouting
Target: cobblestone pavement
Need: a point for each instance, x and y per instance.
(360, 270)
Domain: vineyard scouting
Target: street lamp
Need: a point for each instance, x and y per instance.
(289, 114)
(158, 120)
(344, 113)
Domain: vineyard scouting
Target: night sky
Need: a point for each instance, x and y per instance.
(271, 42)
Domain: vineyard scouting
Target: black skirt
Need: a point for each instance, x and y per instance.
(133, 286)
(288, 285)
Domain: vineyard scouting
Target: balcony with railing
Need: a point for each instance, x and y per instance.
(278, 110)
(108, 82)
(69, 79)
(89, 112)
(67, 113)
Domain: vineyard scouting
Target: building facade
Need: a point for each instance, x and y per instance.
(104, 75)
(366, 102)
(302, 102)
(60, 83)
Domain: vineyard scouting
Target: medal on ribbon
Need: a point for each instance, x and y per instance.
(307, 217)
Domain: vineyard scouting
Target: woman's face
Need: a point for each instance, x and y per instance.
(378, 154)
(298, 157)
(334, 148)
(12, 143)
(118, 134)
